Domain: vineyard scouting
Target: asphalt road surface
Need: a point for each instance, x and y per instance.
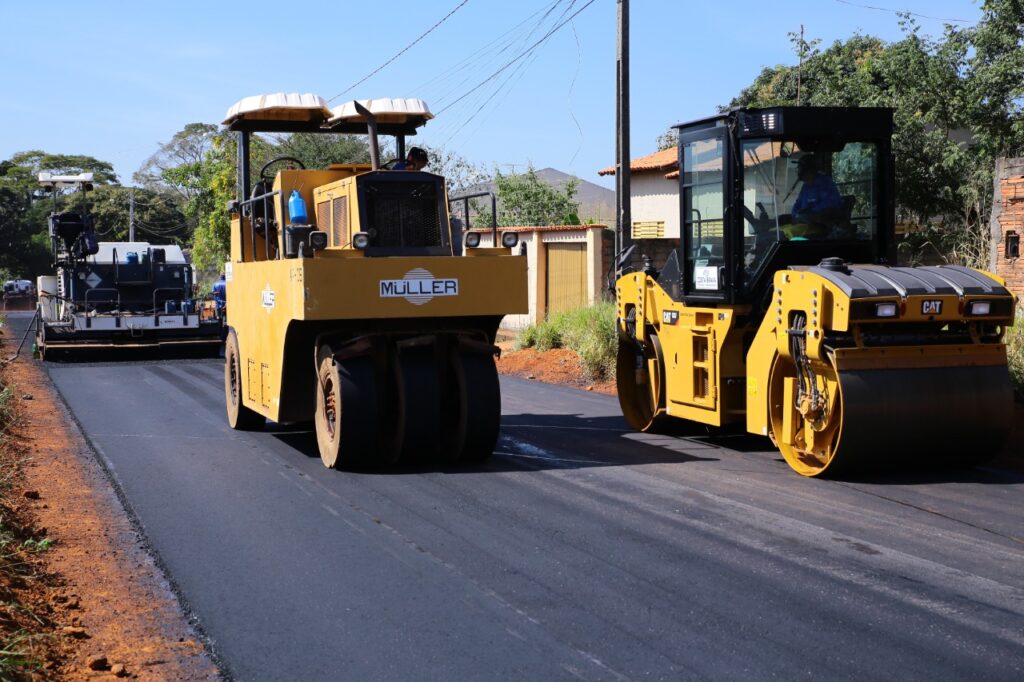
(580, 551)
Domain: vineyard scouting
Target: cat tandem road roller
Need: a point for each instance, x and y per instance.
(363, 317)
(782, 305)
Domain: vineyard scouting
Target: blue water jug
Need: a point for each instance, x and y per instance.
(297, 209)
(132, 258)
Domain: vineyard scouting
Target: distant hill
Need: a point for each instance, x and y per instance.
(596, 203)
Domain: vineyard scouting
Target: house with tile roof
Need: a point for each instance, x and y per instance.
(654, 190)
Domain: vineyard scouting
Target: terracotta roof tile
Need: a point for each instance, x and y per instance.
(666, 159)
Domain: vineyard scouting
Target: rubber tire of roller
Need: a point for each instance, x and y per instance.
(420, 401)
(352, 440)
(480, 405)
(240, 417)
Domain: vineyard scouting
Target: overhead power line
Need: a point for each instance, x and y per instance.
(515, 59)
(399, 53)
(900, 11)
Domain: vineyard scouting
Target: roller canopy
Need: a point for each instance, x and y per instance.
(310, 113)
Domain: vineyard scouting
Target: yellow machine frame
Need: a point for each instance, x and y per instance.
(387, 348)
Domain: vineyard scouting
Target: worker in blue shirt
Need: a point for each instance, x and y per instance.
(819, 201)
(415, 160)
(220, 293)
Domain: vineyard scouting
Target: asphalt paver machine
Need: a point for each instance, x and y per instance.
(782, 306)
(349, 304)
(113, 294)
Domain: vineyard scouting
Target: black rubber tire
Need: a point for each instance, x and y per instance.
(347, 413)
(480, 405)
(240, 417)
(419, 403)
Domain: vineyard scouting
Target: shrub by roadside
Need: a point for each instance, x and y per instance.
(589, 331)
(1015, 352)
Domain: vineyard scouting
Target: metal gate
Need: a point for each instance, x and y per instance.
(566, 277)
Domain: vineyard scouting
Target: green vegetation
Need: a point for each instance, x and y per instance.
(1015, 352)
(959, 105)
(523, 200)
(589, 331)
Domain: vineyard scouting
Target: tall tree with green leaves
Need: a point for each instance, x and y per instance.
(319, 150)
(524, 200)
(24, 206)
(957, 104)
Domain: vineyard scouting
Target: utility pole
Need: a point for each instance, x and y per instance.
(131, 215)
(622, 190)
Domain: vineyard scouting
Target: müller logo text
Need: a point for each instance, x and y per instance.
(418, 287)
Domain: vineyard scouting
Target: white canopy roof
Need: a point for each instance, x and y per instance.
(47, 179)
(279, 106)
(313, 109)
(385, 110)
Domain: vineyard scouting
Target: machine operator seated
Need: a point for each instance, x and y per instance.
(819, 205)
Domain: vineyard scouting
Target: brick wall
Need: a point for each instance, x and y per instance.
(1008, 215)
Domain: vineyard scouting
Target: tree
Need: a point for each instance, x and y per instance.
(178, 159)
(24, 242)
(958, 103)
(158, 217)
(523, 200)
(215, 176)
(319, 150)
(35, 161)
(668, 139)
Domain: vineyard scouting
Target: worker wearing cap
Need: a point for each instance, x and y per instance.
(415, 160)
(819, 201)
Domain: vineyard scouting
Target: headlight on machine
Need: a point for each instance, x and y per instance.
(361, 240)
(472, 240)
(885, 310)
(979, 308)
(509, 239)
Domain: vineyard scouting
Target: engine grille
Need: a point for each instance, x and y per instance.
(403, 214)
(339, 221)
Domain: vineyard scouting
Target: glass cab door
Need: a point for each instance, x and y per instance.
(705, 246)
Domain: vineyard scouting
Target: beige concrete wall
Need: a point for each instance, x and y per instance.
(536, 264)
(656, 198)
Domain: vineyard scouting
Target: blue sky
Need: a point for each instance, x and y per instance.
(114, 79)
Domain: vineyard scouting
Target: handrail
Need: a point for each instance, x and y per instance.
(252, 223)
(117, 301)
(156, 309)
(464, 198)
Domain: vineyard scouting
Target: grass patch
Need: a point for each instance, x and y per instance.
(1015, 352)
(589, 331)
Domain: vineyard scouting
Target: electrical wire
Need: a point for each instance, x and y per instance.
(496, 52)
(900, 11)
(400, 52)
(472, 59)
(482, 102)
(517, 58)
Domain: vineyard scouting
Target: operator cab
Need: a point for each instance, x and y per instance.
(764, 189)
(352, 209)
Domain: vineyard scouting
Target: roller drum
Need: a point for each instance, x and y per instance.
(922, 417)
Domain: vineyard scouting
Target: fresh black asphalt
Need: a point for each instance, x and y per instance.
(580, 551)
